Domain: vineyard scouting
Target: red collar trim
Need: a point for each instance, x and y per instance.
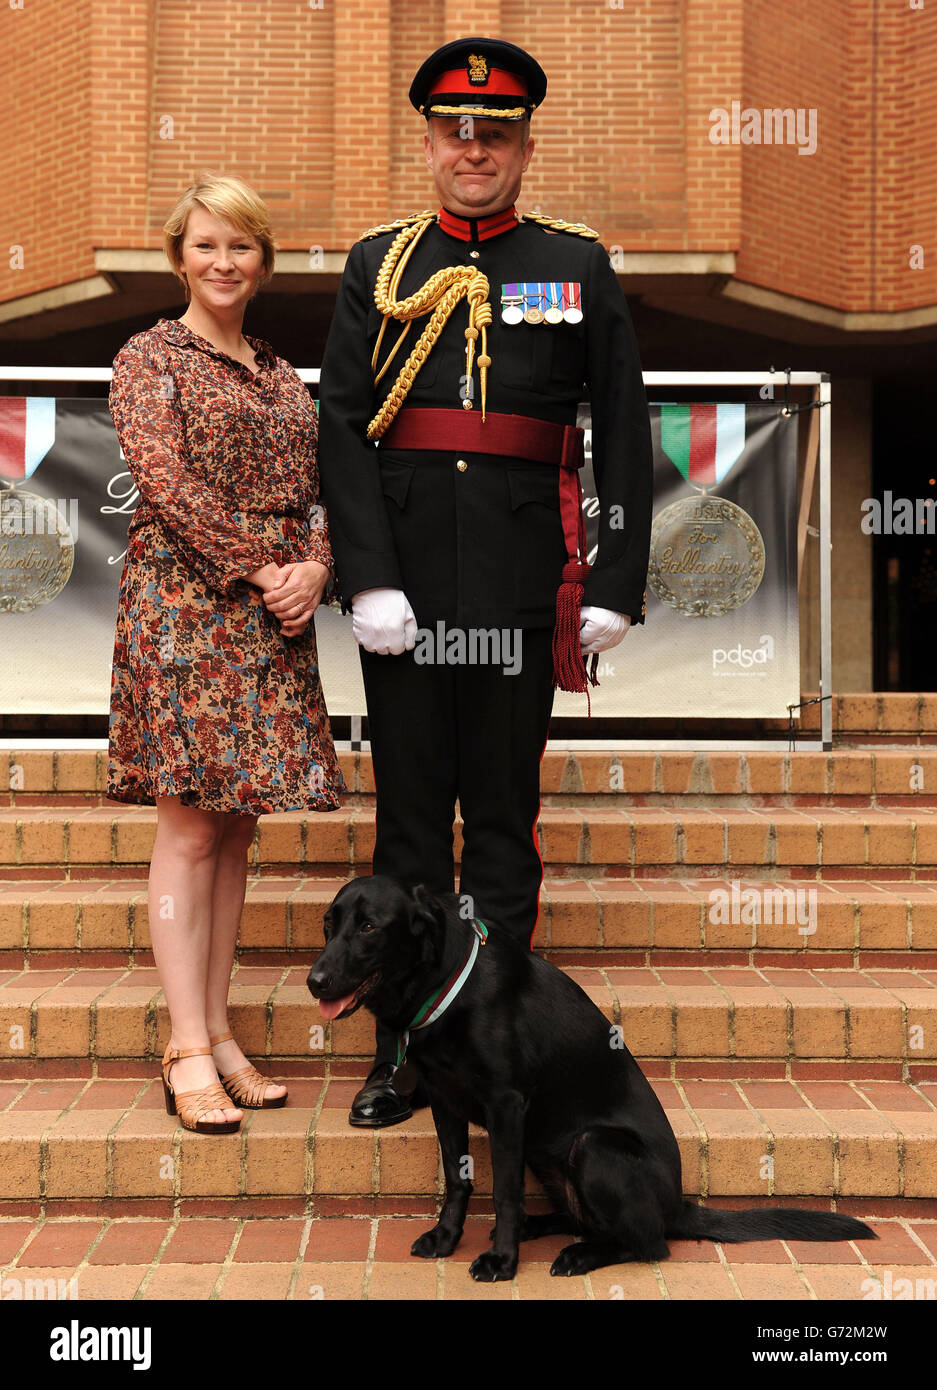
(477, 228)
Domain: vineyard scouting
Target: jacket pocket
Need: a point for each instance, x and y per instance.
(538, 484)
(396, 476)
(541, 357)
(536, 544)
(523, 357)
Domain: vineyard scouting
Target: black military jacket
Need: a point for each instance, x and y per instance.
(483, 545)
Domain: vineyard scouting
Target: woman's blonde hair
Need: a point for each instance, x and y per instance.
(228, 197)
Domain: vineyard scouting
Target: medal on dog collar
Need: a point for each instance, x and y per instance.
(438, 1003)
(405, 1079)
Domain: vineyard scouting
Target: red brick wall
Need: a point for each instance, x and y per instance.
(249, 90)
(118, 64)
(837, 226)
(46, 150)
(310, 106)
(905, 117)
(611, 131)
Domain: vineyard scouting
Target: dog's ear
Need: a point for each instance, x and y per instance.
(426, 910)
(427, 918)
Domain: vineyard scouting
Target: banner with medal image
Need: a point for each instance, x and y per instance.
(721, 636)
(65, 501)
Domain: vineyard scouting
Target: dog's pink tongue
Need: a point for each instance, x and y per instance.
(331, 1008)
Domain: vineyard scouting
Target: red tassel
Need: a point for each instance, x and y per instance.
(569, 666)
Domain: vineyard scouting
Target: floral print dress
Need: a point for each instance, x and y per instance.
(210, 702)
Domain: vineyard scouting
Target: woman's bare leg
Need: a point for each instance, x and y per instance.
(181, 890)
(227, 905)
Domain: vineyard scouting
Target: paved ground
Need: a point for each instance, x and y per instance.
(367, 1257)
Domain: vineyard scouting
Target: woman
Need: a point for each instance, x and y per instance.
(217, 713)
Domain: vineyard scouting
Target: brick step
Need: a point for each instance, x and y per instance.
(875, 716)
(744, 921)
(854, 1019)
(879, 776)
(98, 1139)
(850, 842)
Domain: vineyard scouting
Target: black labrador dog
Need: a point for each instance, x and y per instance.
(521, 1050)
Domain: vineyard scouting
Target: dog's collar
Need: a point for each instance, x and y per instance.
(438, 1003)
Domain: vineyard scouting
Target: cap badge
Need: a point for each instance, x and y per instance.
(477, 70)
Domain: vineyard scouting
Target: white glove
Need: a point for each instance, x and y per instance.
(382, 621)
(601, 629)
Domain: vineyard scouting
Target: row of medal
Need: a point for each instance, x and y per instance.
(546, 302)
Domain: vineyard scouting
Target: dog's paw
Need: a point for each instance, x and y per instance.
(572, 1259)
(435, 1244)
(489, 1267)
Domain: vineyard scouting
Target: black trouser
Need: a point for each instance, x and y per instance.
(469, 731)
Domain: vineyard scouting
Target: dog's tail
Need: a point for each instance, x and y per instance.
(766, 1223)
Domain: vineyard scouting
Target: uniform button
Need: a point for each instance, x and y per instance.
(461, 465)
(474, 255)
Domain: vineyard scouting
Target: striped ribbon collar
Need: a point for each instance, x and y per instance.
(438, 1003)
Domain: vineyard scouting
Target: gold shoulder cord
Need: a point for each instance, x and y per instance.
(395, 226)
(555, 224)
(441, 294)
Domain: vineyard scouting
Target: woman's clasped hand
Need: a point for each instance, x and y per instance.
(292, 592)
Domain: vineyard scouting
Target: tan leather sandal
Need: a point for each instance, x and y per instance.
(190, 1106)
(246, 1086)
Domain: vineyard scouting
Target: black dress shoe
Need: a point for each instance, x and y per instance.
(377, 1103)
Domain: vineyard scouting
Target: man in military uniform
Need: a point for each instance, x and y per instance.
(461, 344)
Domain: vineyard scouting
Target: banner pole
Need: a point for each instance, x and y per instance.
(826, 568)
(806, 495)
